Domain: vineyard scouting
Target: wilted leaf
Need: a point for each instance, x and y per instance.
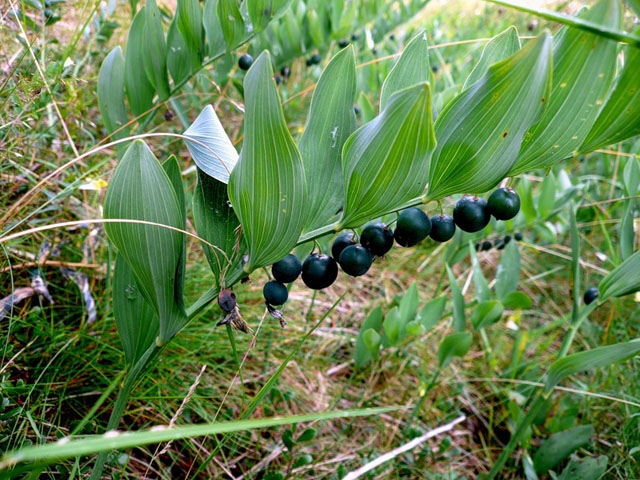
(411, 68)
(499, 47)
(140, 91)
(267, 186)
(560, 445)
(480, 132)
(141, 190)
(111, 93)
(454, 345)
(210, 147)
(386, 161)
(331, 121)
(583, 68)
(590, 359)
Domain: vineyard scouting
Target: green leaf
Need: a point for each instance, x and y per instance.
(622, 280)
(371, 340)
(231, 22)
(635, 6)
(178, 60)
(583, 68)
(431, 313)
(140, 91)
(459, 319)
(499, 47)
(627, 235)
(589, 468)
(631, 176)
(307, 435)
(409, 304)
(363, 354)
(618, 120)
(215, 222)
(111, 94)
(482, 287)
(508, 272)
(262, 11)
(480, 132)
(210, 147)
(454, 345)
(155, 51)
(189, 19)
(213, 30)
(331, 121)
(513, 300)
(547, 198)
(267, 186)
(316, 32)
(367, 112)
(590, 359)
(136, 320)
(560, 445)
(92, 444)
(141, 190)
(393, 327)
(411, 68)
(486, 313)
(385, 162)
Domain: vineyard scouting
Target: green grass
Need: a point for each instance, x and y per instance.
(56, 368)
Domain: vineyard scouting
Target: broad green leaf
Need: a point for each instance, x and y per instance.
(459, 319)
(500, 47)
(588, 468)
(231, 22)
(262, 11)
(635, 5)
(362, 354)
(141, 190)
(626, 234)
(560, 445)
(393, 327)
(508, 272)
(111, 93)
(216, 43)
(189, 20)
(431, 313)
(486, 313)
(92, 444)
(267, 186)
(367, 112)
(480, 132)
(513, 300)
(215, 222)
(631, 176)
(590, 359)
(385, 162)
(371, 340)
(210, 146)
(583, 68)
(547, 197)
(454, 345)
(331, 121)
(622, 280)
(619, 119)
(482, 287)
(140, 91)
(411, 68)
(136, 320)
(408, 306)
(316, 32)
(155, 51)
(178, 59)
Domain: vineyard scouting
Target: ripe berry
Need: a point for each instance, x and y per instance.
(319, 271)
(343, 43)
(518, 236)
(412, 226)
(504, 203)
(355, 260)
(377, 238)
(590, 295)
(341, 242)
(245, 62)
(287, 269)
(471, 213)
(443, 228)
(486, 245)
(313, 60)
(227, 300)
(275, 293)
